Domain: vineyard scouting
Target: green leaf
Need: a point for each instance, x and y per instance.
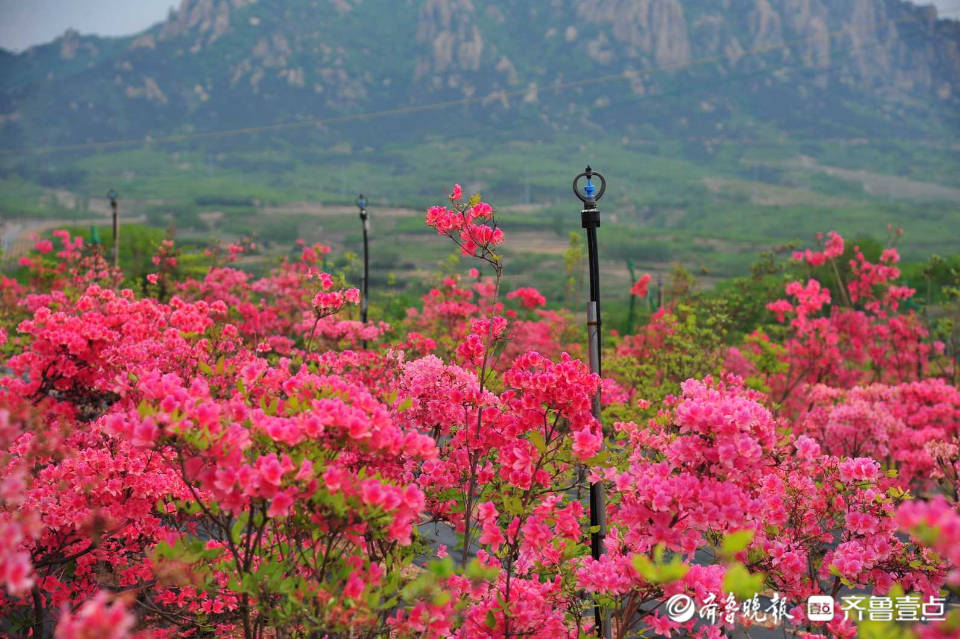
(536, 438)
(442, 568)
(478, 572)
(736, 541)
(163, 550)
(739, 582)
(658, 571)
(236, 531)
(600, 459)
(513, 505)
(673, 571)
(249, 584)
(475, 569)
(869, 629)
(406, 404)
(491, 620)
(644, 567)
(293, 404)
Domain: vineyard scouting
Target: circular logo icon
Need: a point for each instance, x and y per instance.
(680, 608)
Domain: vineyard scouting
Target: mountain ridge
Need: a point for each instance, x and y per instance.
(217, 64)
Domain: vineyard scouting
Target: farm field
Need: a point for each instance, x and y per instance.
(661, 209)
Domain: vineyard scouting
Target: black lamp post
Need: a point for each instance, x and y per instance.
(364, 302)
(659, 291)
(590, 220)
(112, 194)
(633, 298)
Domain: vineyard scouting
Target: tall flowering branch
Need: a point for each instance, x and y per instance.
(465, 224)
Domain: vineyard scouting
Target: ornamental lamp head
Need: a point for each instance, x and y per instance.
(362, 205)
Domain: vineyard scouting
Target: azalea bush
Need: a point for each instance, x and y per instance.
(221, 454)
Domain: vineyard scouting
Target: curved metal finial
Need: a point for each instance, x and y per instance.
(589, 194)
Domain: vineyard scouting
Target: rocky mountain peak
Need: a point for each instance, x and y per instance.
(206, 20)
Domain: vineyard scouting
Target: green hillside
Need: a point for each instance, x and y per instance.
(723, 130)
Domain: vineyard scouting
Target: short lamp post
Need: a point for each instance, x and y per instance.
(365, 282)
(112, 194)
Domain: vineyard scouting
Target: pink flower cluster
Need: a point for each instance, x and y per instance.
(223, 454)
(529, 297)
(460, 224)
(100, 617)
(937, 523)
(640, 286)
(832, 249)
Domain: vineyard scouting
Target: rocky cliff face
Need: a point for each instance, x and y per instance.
(223, 62)
(205, 20)
(887, 45)
(640, 30)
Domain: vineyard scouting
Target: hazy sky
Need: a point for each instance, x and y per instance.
(28, 22)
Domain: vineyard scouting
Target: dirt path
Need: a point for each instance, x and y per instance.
(319, 209)
(324, 210)
(772, 195)
(888, 185)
